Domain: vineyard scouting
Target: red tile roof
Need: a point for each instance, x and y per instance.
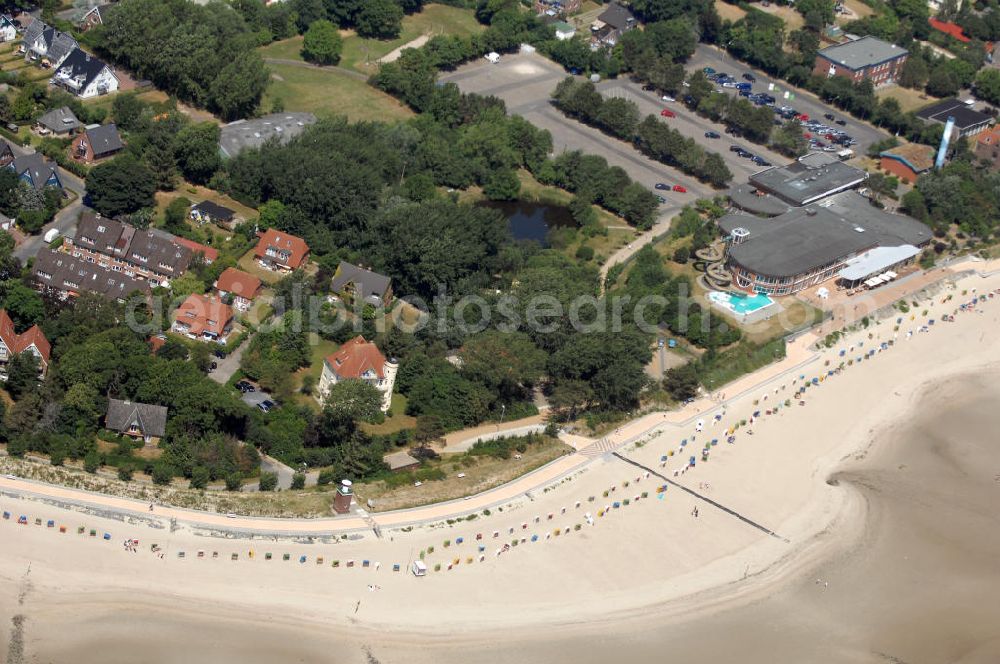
(296, 247)
(949, 29)
(156, 343)
(17, 343)
(990, 137)
(210, 254)
(238, 282)
(357, 357)
(203, 313)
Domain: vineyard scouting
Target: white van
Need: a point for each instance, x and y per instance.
(418, 568)
(51, 235)
(844, 155)
(493, 57)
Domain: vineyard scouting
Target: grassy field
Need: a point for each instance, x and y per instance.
(328, 93)
(286, 49)
(729, 12)
(362, 54)
(249, 264)
(399, 420)
(909, 100)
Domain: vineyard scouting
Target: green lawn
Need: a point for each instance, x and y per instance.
(399, 420)
(286, 49)
(328, 93)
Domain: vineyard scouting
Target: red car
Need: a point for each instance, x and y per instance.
(679, 189)
(804, 117)
(667, 113)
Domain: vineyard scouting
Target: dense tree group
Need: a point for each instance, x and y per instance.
(204, 54)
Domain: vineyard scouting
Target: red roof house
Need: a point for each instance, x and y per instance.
(242, 286)
(204, 317)
(277, 250)
(209, 255)
(359, 360)
(12, 343)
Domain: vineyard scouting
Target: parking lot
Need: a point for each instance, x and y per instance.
(804, 102)
(525, 82)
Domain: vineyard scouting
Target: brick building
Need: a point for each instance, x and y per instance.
(907, 162)
(867, 58)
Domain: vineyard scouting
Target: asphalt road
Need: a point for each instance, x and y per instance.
(805, 102)
(65, 219)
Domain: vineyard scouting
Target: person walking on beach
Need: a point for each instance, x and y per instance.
(694, 512)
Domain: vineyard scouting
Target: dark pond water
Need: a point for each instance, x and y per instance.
(533, 221)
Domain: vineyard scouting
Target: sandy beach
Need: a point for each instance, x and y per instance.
(879, 492)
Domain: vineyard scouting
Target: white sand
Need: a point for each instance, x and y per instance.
(650, 561)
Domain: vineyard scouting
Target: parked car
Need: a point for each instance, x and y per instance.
(744, 93)
(735, 148)
(213, 366)
(749, 77)
(667, 113)
(841, 122)
(266, 405)
(708, 70)
(245, 386)
(649, 86)
(219, 353)
(760, 161)
(828, 116)
(712, 134)
(661, 186)
(680, 189)
(804, 117)
(661, 200)
(729, 84)
(667, 98)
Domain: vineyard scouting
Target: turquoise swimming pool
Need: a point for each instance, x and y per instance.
(741, 305)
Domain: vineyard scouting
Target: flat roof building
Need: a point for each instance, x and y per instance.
(862, 59)
(968, 122)
(808, 245)
(249, 134)
(808, 179)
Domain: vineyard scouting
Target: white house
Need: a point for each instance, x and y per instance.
(8, 31)
(85, 75)
(359, 360)
(46, 45)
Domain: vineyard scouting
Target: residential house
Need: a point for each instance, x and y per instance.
(208, 212)
(355, 283)
(150, 254)
(988, 147)
(248, 134)
(241, 286)
(36, 170)
(204, 317)
(156, 342)
(85, 75)
(46, 45)
(359, 360)
(66, 276)
(907, 162)
(557, 7)
(8, 31)
(208, 254)
(94, 17)
(58, 121)
(968, 122)
(612, 23)
(97, 143)
(277, 250)
(6, 154)
(30, 341)
(138, 420)
(564, 30)
(867, 58)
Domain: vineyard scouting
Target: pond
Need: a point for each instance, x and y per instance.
(532, 221)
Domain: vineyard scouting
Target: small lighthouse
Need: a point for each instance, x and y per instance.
(344, 496)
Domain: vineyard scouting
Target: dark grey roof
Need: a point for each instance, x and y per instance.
(151, 420)
(749, 198)
(808, 179)
(617, 16)
(105, 139)
(214, 210)
(861, 53)
(123, 241)
(38, 167)
(57, 44)
(804, 239)
(243, 134)
(55, 269)
(80, 68)
(369, 285)
(964, 116)
(60, 120)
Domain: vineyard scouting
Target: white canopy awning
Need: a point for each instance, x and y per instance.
(876, 260)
